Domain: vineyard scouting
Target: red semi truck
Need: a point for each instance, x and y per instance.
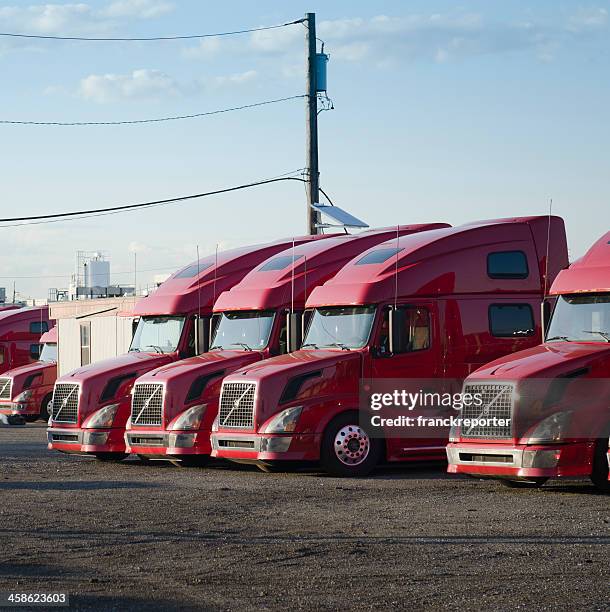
(20, 331)
(554, 398)
(91, 404)
(28, 389)
(173, 406)
(433, 305)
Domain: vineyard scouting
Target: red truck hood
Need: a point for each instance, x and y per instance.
(134, 362)
(22, 373)
(337, 376)
(179, 376)
(208, 363)
(546, 361)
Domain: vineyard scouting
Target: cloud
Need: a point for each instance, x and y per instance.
(139, 84)
(436, 37)
(142, 9)
(236, 79)
(587, 19)
(78, 18)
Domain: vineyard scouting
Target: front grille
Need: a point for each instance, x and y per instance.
(497, 402)
(6, 386)
(237, 405)
(65, 403)
(147, 404)
(65, 437)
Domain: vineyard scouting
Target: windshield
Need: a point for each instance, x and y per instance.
(247, 330)
(48, 353)
(344, 327)
(157, 334)
(581, 318)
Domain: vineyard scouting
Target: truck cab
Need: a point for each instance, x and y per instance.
(173, 406)
(91, 405)
(20, 331)
(555, 397)
(28, 389)
(429, 306)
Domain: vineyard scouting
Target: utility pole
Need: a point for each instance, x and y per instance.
(313, 173)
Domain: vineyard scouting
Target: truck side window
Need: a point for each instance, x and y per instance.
(507, 264)
(35, 351)
(417, 320)
(39, 327)
(511, 320)
(283, 339)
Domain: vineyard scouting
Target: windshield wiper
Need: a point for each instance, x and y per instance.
(558, 338)
(134, 350)
(604, 335)
(310, 344)
(216, 346)
(242, 344)
(342, 346)
(158, 349)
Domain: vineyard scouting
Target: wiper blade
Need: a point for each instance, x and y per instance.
(310, 344)
(604, 335)
(242, 344)
(558, 338)
(134, 350)
(158, 349)
(341, 346)
(216, 346)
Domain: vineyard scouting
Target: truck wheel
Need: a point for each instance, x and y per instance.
(348, 449)
(599, 475)
(46, 407)
(111, 457)
(532, 483)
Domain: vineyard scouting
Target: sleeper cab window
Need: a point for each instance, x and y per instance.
(39, 327)
(507, 265)
(511, 320)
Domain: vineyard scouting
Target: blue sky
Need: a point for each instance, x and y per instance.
(444, 111)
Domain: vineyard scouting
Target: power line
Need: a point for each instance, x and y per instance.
(149, 38)
(155, 120)
(53, 218)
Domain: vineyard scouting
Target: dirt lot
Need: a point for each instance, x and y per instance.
(129, 535)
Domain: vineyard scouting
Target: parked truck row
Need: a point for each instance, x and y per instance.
(260, 355)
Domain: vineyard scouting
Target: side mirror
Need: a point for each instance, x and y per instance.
(399, 339)
(35, 350)
(294, 327)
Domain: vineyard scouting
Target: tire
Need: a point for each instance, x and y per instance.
(599, 475)
(190, 461)
(45, 408)
(532, 483)
(347, 449)
(111, 457)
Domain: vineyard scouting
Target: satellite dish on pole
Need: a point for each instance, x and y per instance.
(338, 217)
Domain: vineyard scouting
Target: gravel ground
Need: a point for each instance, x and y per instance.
(130, 535)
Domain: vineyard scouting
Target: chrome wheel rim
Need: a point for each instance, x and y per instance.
(352, 445)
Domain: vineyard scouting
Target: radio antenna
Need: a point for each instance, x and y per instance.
(546, 272)
(215, 272)
(197, 322)
(396, 267)
(292, 282)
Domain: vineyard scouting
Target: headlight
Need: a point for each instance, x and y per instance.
(454, 433)
(189, 419)
(104, 417)
(284, 422)
(24, 396)
(551, 429)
